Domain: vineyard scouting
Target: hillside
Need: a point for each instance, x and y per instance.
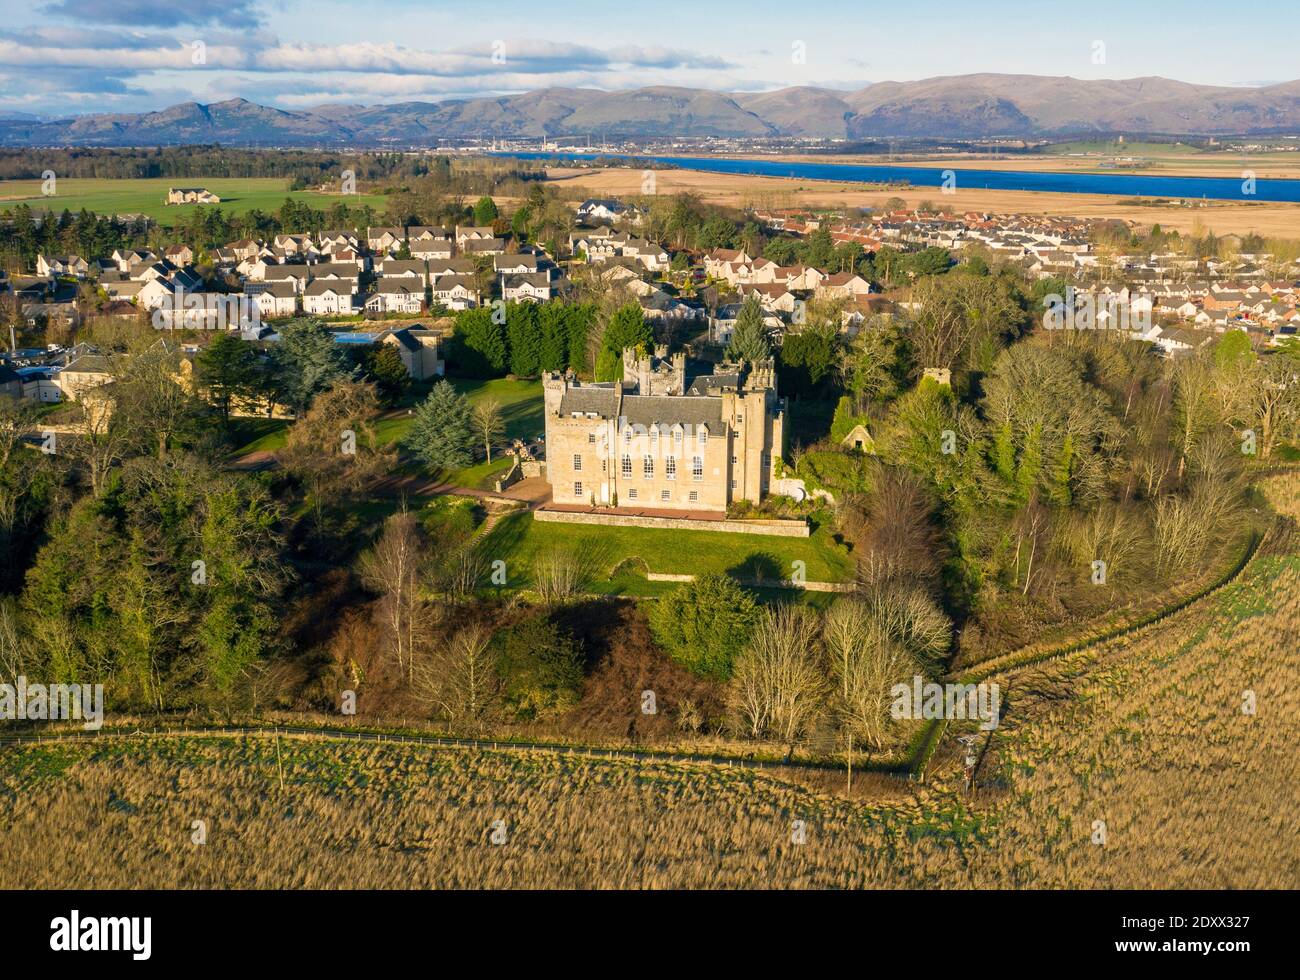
(963, 106)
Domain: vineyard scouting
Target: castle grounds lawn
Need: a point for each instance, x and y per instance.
(253, 435)
(521, 408)
(618, 557)
(146, 196)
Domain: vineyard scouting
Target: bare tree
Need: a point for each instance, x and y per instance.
(779, 683)
(392, 568)
(559, 574)
(488, 423)
(333, 448)
(459, 679)
(865, 664)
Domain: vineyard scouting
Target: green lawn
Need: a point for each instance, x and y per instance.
(145, 196)
(256, 435)
(521, 408)
(619, 556)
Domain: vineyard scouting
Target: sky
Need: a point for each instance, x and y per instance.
(68, 57)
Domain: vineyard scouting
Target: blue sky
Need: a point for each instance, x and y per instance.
(71, 56)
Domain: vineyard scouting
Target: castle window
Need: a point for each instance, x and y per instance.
(665, 495)
(695, 496)
(577, 489)
(670, 468)
(702, 436)
(627, 467)
(631, 494)
(591, 437)
(577, 463)
(648, 467)
(697, 468)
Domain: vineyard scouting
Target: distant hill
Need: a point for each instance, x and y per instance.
(962, 106)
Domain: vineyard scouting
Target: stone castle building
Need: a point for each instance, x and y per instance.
(663, 439)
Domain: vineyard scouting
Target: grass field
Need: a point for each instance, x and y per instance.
(146, 196)
(618, 557)
(520, 401)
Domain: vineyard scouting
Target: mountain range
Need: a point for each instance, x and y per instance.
(954, 107)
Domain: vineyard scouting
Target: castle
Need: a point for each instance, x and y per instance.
(661, 439)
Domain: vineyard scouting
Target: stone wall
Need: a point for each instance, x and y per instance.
(770, 528)
(767, 584)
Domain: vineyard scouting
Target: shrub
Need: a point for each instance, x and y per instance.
(705, 624)
(540, 666)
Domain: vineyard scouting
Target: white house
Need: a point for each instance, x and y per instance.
(400, 294)
(330, 297)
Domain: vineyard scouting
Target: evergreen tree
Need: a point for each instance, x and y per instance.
(227, 370)
(523, 334)
(749, 337)
(479, 344)
(485, 211)
(306, 361)
(443, 434)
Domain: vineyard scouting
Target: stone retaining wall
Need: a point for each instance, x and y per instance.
(772, 528)
(766, 584)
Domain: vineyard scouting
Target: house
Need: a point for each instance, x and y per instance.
(295, 245)
(178, 255)
(456, 292)
(844, 284)
(62, 265)
(483, 246)
(773, 297)
(400, 294)
(85, 372)
(334, 270)
(452, 267)
(431, 248)
(516, 264)
(418, 349)
(245, 248)
(295, 275)
(126, 259)
(273, 299)
(650, 255)
(469, 233)
(527, 287)
(155, 293)
(601, 210)
(191, 195)
(330, 297)
(404, 268)
(332, 241)
(385, 239)
(663, 439)
(718, 262)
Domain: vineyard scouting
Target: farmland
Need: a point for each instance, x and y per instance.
(145, 196)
